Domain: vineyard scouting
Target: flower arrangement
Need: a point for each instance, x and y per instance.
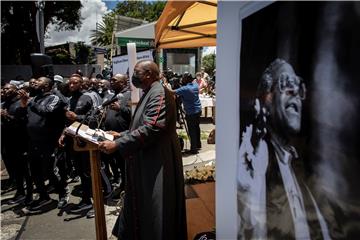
(200, 174)
(203, 134)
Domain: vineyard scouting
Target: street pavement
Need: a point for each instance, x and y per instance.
(54, 224)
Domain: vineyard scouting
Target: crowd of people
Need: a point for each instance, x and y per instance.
(205, 82)
(37, 152)
(39, 111)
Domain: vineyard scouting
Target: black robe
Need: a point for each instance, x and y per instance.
(154, 205)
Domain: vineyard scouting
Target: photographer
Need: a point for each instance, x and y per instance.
(164, 81)
(175, 83)
(189, 94)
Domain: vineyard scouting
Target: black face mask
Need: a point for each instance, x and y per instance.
(136, 81)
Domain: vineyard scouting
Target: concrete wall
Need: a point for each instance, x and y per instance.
(9, 72)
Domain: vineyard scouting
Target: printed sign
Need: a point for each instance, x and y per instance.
(121, 63)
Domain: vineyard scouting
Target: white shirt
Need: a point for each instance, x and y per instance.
(252, 188)
(293, 192)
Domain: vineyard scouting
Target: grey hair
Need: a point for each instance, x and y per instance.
(268, 78)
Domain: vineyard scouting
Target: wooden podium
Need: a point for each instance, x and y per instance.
(82, 142)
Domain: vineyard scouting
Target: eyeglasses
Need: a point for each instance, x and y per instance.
(292, 85)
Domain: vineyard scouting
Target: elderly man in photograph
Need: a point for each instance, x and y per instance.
(273, 200)
(154, 205)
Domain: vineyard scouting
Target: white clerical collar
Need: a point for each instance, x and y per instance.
(284, 151)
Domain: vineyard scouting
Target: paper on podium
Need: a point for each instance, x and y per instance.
(94, 136)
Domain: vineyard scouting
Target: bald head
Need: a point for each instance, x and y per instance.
(118, 82)
(75, 83)
(10, 86)
(104, 84)
(145, 73)
(44, 83)
(151, 67)
(8, 91)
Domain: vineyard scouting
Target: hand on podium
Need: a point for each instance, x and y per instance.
(107, 146)
(114, 134)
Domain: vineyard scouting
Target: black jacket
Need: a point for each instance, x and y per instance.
(119, 120)
(45, 118)
(80, 104)
(13, 128)
(154, 204)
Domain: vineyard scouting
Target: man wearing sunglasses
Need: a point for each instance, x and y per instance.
(273, 200)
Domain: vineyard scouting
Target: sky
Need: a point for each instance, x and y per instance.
(91, 12)
(111, 4)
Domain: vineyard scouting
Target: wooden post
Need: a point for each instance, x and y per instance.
(100, 223)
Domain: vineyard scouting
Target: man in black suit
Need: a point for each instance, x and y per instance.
(118, 117)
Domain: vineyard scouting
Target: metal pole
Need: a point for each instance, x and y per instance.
(113, 37)
(41, 5)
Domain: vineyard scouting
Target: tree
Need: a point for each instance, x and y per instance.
(148, 11)
(209, 63)
(18, 26)
(60, 56)
(84, 54)
(103, 34)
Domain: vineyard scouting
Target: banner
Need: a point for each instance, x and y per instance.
(299, 158)
(121, 63)
(140, 42)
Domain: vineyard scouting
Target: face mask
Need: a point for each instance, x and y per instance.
(136, 81)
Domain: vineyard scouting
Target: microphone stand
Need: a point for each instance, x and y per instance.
(79, 142)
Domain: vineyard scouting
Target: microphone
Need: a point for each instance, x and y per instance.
(110, 101)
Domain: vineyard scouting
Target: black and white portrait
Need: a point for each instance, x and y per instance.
(299, 158)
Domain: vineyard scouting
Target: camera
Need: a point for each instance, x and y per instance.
(169, 74)
(176, 81)
(186, 78)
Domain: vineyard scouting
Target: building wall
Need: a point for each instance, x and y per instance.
(9, 72)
